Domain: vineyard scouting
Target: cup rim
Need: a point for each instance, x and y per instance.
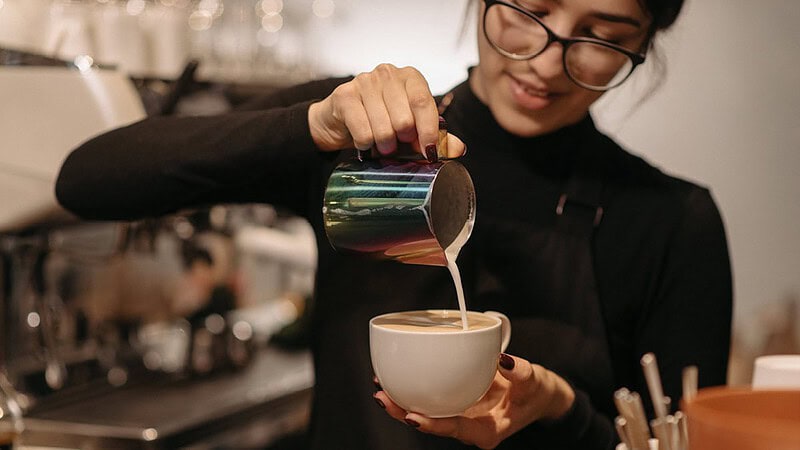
(498, 323)
(783, 361)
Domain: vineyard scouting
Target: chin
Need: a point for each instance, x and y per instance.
(526, 126)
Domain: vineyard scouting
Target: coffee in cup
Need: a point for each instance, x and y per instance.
(428, 363)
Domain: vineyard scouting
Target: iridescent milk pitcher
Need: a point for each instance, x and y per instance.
(404, 208)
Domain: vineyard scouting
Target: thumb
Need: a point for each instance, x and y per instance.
(536, 387)
(455, 147)
(519, 372)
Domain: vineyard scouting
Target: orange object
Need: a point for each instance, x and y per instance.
(723, 418)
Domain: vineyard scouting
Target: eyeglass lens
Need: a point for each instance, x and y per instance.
(519, 36)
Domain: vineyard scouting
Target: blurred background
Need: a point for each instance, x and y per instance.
(726, 114)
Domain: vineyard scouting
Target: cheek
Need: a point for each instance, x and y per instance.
(489, 72)
(490, 60)
(582, 99)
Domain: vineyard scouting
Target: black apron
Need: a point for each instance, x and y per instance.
(551, 293)
(556, 314)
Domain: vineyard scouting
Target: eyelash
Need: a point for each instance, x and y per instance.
(589, 33)
(539, 14)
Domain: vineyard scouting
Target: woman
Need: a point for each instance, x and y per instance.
(595, 255)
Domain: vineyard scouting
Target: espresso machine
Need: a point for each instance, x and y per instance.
(49, 107)
(142, 335)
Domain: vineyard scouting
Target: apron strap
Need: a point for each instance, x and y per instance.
(579, 207)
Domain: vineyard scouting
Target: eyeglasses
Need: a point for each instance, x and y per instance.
(591, 63)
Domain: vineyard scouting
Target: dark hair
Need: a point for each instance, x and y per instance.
(663, 12)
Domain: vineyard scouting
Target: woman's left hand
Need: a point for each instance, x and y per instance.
(520, 394)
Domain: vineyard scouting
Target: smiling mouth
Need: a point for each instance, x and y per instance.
(529, 97)
(530, 90)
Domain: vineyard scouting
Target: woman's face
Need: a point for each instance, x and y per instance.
(536, 96)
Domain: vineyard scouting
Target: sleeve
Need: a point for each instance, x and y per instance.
(688, 321)
(581, 428)
(262, 153)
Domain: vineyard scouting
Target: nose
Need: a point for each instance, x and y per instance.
(549, 64)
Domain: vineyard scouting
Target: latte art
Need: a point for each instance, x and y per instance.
(434, 321)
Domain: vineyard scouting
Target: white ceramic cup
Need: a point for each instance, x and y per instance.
(437, 374)
(777, 372)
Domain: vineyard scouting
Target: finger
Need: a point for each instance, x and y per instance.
(396, 100)
(497, 390)
(451, 427)
(455, 147)
(461, 428)
(371, 91)
(423, 107)
(520, 374)
(400, 114)
(391, 407)
(356, 121)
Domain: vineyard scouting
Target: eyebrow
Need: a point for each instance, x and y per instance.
(617, 19)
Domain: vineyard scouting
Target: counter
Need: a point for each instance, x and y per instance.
(251, 408)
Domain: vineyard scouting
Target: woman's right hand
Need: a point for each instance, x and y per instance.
(380, 108)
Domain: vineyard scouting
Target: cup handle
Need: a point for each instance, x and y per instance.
(505, 326)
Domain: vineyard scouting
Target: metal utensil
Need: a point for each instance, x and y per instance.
(405, 211)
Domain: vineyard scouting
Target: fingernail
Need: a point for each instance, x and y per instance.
(379, 402)
(506, 362)
(377, 383)
(442, 123)
(430, 153)
(412, 423)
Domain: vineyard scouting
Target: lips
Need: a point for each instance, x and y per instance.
(530, 96)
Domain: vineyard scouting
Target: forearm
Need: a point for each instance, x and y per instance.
(163, 164)
(262, 152)
(582, 427)
(569, 421)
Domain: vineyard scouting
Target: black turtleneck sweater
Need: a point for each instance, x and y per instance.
(659, 255)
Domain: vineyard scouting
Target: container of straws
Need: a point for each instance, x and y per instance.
(713, 418)
(664, 432)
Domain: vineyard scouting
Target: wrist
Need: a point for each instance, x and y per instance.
(317, 129)
(313, 127)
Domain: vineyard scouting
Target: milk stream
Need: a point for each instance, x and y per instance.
(462, 304)
(450, 254)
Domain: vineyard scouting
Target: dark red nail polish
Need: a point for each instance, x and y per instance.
(506, 362)
(412, 423)
(379, 402)
(431, 154)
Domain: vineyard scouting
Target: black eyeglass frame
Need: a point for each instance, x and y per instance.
(636, 58)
